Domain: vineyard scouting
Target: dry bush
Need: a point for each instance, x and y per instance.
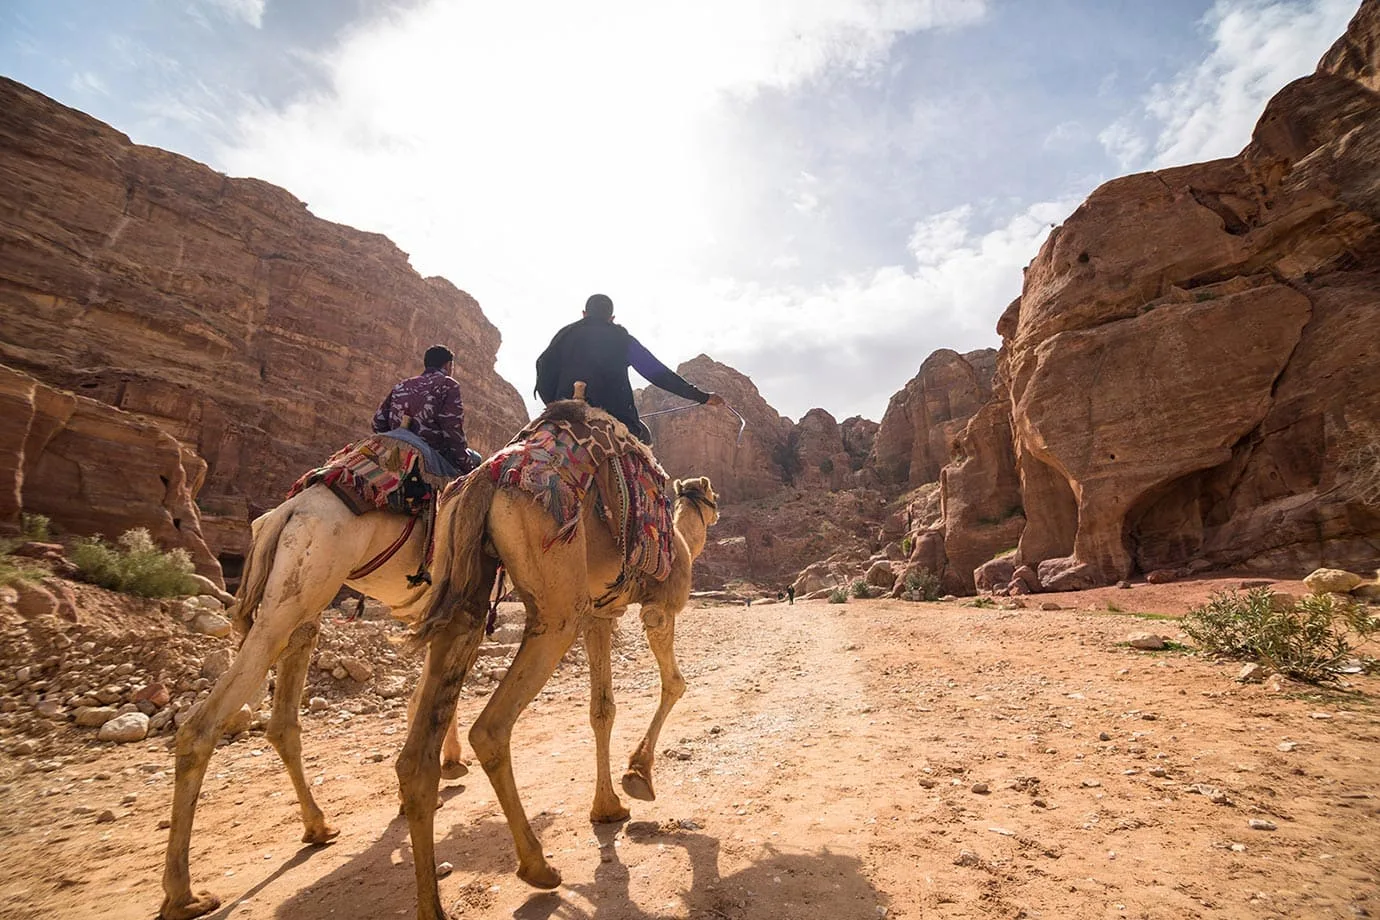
(135, 565)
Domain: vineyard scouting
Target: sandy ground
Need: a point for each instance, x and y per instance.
(874, 759)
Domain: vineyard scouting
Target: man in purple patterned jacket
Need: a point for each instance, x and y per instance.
(429, 406)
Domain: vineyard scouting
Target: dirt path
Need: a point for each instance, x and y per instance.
(873, 759)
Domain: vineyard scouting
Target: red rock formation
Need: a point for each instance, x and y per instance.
(913, 442)
(95, 469)
(824, 463)
(705, 441)
(261, 337)
(1192, 358)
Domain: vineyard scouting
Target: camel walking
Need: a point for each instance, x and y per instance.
(556, 581)
(301, 554)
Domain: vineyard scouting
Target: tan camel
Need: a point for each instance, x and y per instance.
(556, 586)
(301, 553)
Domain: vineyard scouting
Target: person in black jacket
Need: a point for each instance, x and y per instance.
(598, 351)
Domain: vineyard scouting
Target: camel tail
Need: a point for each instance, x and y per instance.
(466, 572)
(258, 565)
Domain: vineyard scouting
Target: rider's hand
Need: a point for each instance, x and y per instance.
(715, 400)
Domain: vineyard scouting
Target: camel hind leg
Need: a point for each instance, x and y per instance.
(450, 654)
(452, 754)
(285, 729)
(661, 634)
(296, 593)
(551, 626)
(607, 806)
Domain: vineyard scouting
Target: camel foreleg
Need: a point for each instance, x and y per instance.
(599, 650)
(285, 728)
(661, 633)
(450, 654)
(452, 754)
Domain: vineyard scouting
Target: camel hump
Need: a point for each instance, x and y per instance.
(579, 391)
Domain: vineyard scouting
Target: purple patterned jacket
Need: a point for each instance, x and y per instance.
(431, 401)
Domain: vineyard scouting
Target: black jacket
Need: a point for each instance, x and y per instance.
(599, 352)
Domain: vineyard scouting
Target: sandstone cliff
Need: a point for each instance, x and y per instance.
(917, 431)
(260, 337)
(95, 469)
(1192, 370)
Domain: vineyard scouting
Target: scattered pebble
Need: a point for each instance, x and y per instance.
(967, 859)
(1260, 824)
(981, 788)
(444, 869)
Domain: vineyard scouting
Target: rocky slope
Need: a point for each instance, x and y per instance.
(260, 337)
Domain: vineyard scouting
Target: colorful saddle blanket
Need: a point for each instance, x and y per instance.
(380, 473)
(571, 448)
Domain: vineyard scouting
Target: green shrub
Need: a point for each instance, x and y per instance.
(35, 527)
(907, 545)
(135, 565)
(981, 600)
(859, 588)
(922, 585)
(12, 572)
(1310, 642)
(838, 596)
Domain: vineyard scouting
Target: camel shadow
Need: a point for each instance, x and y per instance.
(780, 884)
(379, 882)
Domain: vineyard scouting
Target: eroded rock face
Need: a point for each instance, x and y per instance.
(913, 442)
(1192, 360)
(259, 336)
(704, 441)
(96, 469)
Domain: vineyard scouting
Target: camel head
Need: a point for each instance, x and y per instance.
(699, 494)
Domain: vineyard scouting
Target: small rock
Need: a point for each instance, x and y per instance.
(339, 672)
(1150, 642)
(1161, 576)
(1091, 783)
(49, 709)
(157, 694)
(1260, 824)
(22, 674)
(444, 869)
(1326, 581)
(318, 704)
(130, 798)
(1124, 585)
(94, 716)
(25, 748)
(967, 859)
(359, 670)
(132, 726)
(1103, 736)
(1287, 746)
(211, 624)
(1252, 673)
(240, 721)
(1050, 605)
(216, 663)
(164, 824)
(391, 688)
(980, 789)
(106, 817)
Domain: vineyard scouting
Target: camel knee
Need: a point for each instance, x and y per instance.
(487, 745)
(283, 733)
(675, 687)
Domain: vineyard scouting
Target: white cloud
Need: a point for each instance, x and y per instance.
(249, 11)
(533, 153)
(1208, 111)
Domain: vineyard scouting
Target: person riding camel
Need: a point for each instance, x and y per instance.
(427, 412)
(599, 352)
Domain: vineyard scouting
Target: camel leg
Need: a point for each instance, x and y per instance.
(450, 653)
(599, 650)
(661, 633)
(285, 730)
(547, 639)
(196, 739)
(452, 755)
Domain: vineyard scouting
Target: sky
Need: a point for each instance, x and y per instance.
(818, 193)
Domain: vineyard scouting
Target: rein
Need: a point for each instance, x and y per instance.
(742, 422)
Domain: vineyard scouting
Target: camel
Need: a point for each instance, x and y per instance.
(301, 553)
(556, 585)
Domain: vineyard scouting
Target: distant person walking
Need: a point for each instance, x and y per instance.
(598, 351)
(790, 595)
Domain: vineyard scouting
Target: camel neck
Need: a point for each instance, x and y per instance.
(689, 522)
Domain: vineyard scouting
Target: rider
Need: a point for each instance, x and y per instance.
(429, 407)
(598, 351)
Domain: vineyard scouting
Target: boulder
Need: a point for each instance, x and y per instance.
(881, 575)
(359, 670)
(94, 716)
(994, 572)
(34, 601)
(216, 663)
(1067, 574)
(1327, 581)
(211, 624)
(132, 726)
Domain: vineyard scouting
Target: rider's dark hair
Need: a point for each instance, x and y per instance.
(599, 306)
(437, 357)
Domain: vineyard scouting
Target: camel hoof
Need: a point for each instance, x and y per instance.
(453, 769)
(321, 835)
(612, 816)
(543, 876)
(638, 786)
(203, 903)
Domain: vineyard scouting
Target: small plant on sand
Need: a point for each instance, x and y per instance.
(921, 585)
(134, 565)
(1310, 641)
(981, 600)
(859, 588)
(1114, 607)
(838, 596)
(13, 572)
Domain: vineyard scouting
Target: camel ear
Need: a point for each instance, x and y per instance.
(677, 487)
